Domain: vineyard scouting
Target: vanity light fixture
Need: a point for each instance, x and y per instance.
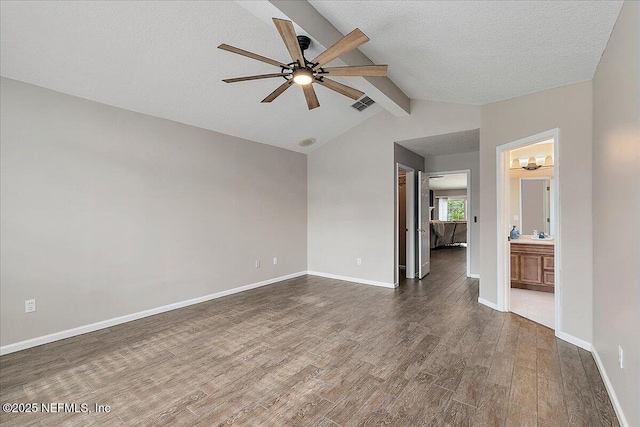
(532, 164)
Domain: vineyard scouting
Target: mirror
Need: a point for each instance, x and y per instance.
(535, 200)
(531, 204)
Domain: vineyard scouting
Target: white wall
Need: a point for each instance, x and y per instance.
(106, 212)
(457, 162)
(568, 108)
(616, 210)
(351, 189)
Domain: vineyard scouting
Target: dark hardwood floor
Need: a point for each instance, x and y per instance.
(318, 352)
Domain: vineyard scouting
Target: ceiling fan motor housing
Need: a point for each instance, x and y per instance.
(304, 42)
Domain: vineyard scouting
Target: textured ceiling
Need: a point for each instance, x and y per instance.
(441, 145)
(477, 52)
(160, 58)
(457, 181)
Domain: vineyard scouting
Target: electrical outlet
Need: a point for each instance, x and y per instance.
(275, 261)
(257, 263)
(30, 306)
(621, 357)
(359, 261)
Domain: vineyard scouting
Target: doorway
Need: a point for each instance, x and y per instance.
(527, 196)
(405, 222)
(450, 212)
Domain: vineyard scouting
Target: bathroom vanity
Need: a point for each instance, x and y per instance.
(532, 264)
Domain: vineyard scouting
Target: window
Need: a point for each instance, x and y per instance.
(456, 210)
(452, 208)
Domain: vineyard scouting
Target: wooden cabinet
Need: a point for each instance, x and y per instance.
(532, 267)
(515, 267)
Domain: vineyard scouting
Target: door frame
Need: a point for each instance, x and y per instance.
(410, 257)
(469, 208)
(503, 220)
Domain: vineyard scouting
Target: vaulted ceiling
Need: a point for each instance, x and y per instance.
(478, 52)
(160, 58)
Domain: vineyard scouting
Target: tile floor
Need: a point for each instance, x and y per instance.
(534, 305)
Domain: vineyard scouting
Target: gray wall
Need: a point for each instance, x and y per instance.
(568, 108)
(106, 212)
(616, 209)
(458, 162)
(351, 189)
(408, 158)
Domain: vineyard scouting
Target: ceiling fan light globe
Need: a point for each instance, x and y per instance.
(302, 76)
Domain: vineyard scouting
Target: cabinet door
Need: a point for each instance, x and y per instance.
(515, 267)
(531, 269)
(548, 278)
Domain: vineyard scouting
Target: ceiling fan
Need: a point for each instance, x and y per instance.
(304, 72)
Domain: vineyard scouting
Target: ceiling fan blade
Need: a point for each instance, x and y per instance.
(349, 42)
(310, 96)
(252, 55)
(276, 93)
(258, 77)
(362, 71)
(340, 88)
(288, 34)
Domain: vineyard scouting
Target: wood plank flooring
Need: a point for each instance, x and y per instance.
(318, 352)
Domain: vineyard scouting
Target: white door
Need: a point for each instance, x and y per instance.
(423, 224)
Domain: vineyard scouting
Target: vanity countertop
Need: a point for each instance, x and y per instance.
(529, 240)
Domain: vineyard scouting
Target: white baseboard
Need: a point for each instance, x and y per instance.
(575, 341)
(33, 342)
(353, 279)
(474, 275)
(612, 394)
(488, 303)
